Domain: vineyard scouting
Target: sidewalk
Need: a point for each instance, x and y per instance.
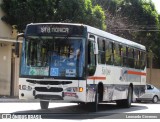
(8, 99)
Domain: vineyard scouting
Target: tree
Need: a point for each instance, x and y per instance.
(81, 11)
(136, 20)
(98, 13)
(145, 16)
(22, 12)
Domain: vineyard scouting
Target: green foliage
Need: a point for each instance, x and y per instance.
(22, 12)
(142, 24)
(81, 11)
(99, 13)
(146, 17)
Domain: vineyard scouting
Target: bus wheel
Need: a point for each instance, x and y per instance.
(128, 101)
(119, 103)
(95, 104)
(44, 104)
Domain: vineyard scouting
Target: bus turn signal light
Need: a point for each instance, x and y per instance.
(80, 89)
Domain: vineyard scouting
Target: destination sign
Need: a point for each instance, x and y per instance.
(45, 29)
(55, 29)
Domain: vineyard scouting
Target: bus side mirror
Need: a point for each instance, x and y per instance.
(17, 44)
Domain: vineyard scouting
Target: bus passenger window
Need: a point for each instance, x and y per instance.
(91, 59)
(124, 55)
(101, 51)
(121, 58)
(136, 59)
(117, 58)
(108, 53)
(131, 57)
(142, 60)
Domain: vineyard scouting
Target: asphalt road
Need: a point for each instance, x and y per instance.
(74, 111)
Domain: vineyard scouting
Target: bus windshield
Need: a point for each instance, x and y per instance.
(53, 56)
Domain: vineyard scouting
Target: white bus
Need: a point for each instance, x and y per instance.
(79, 63)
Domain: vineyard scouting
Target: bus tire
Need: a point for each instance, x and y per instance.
(44, 104)
(96, 102)
(93, 106)
(119, 103)
(128, 101)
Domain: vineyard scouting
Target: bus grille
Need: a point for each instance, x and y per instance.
(49, 82)
(51, 89)
(48, 97)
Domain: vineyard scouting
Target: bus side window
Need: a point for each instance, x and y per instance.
(136, 59)
(124, 56)
(101, 51)
(108, 52)
(120, 55)
(142, 60)
(91, 59)
(117, 58)
(130, 57)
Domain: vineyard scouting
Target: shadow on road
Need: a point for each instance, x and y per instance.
(82, 112)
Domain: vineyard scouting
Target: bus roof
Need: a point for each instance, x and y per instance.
(101, 33)
(114, 38)
(57, 23)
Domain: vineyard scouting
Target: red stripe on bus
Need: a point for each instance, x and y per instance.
(135, 73)
(96, 78)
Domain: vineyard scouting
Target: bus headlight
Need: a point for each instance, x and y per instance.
(25, 87)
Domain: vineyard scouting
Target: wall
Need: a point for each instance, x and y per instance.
(6, 41)
(153, 77)
(5, 29)
(5, 68)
